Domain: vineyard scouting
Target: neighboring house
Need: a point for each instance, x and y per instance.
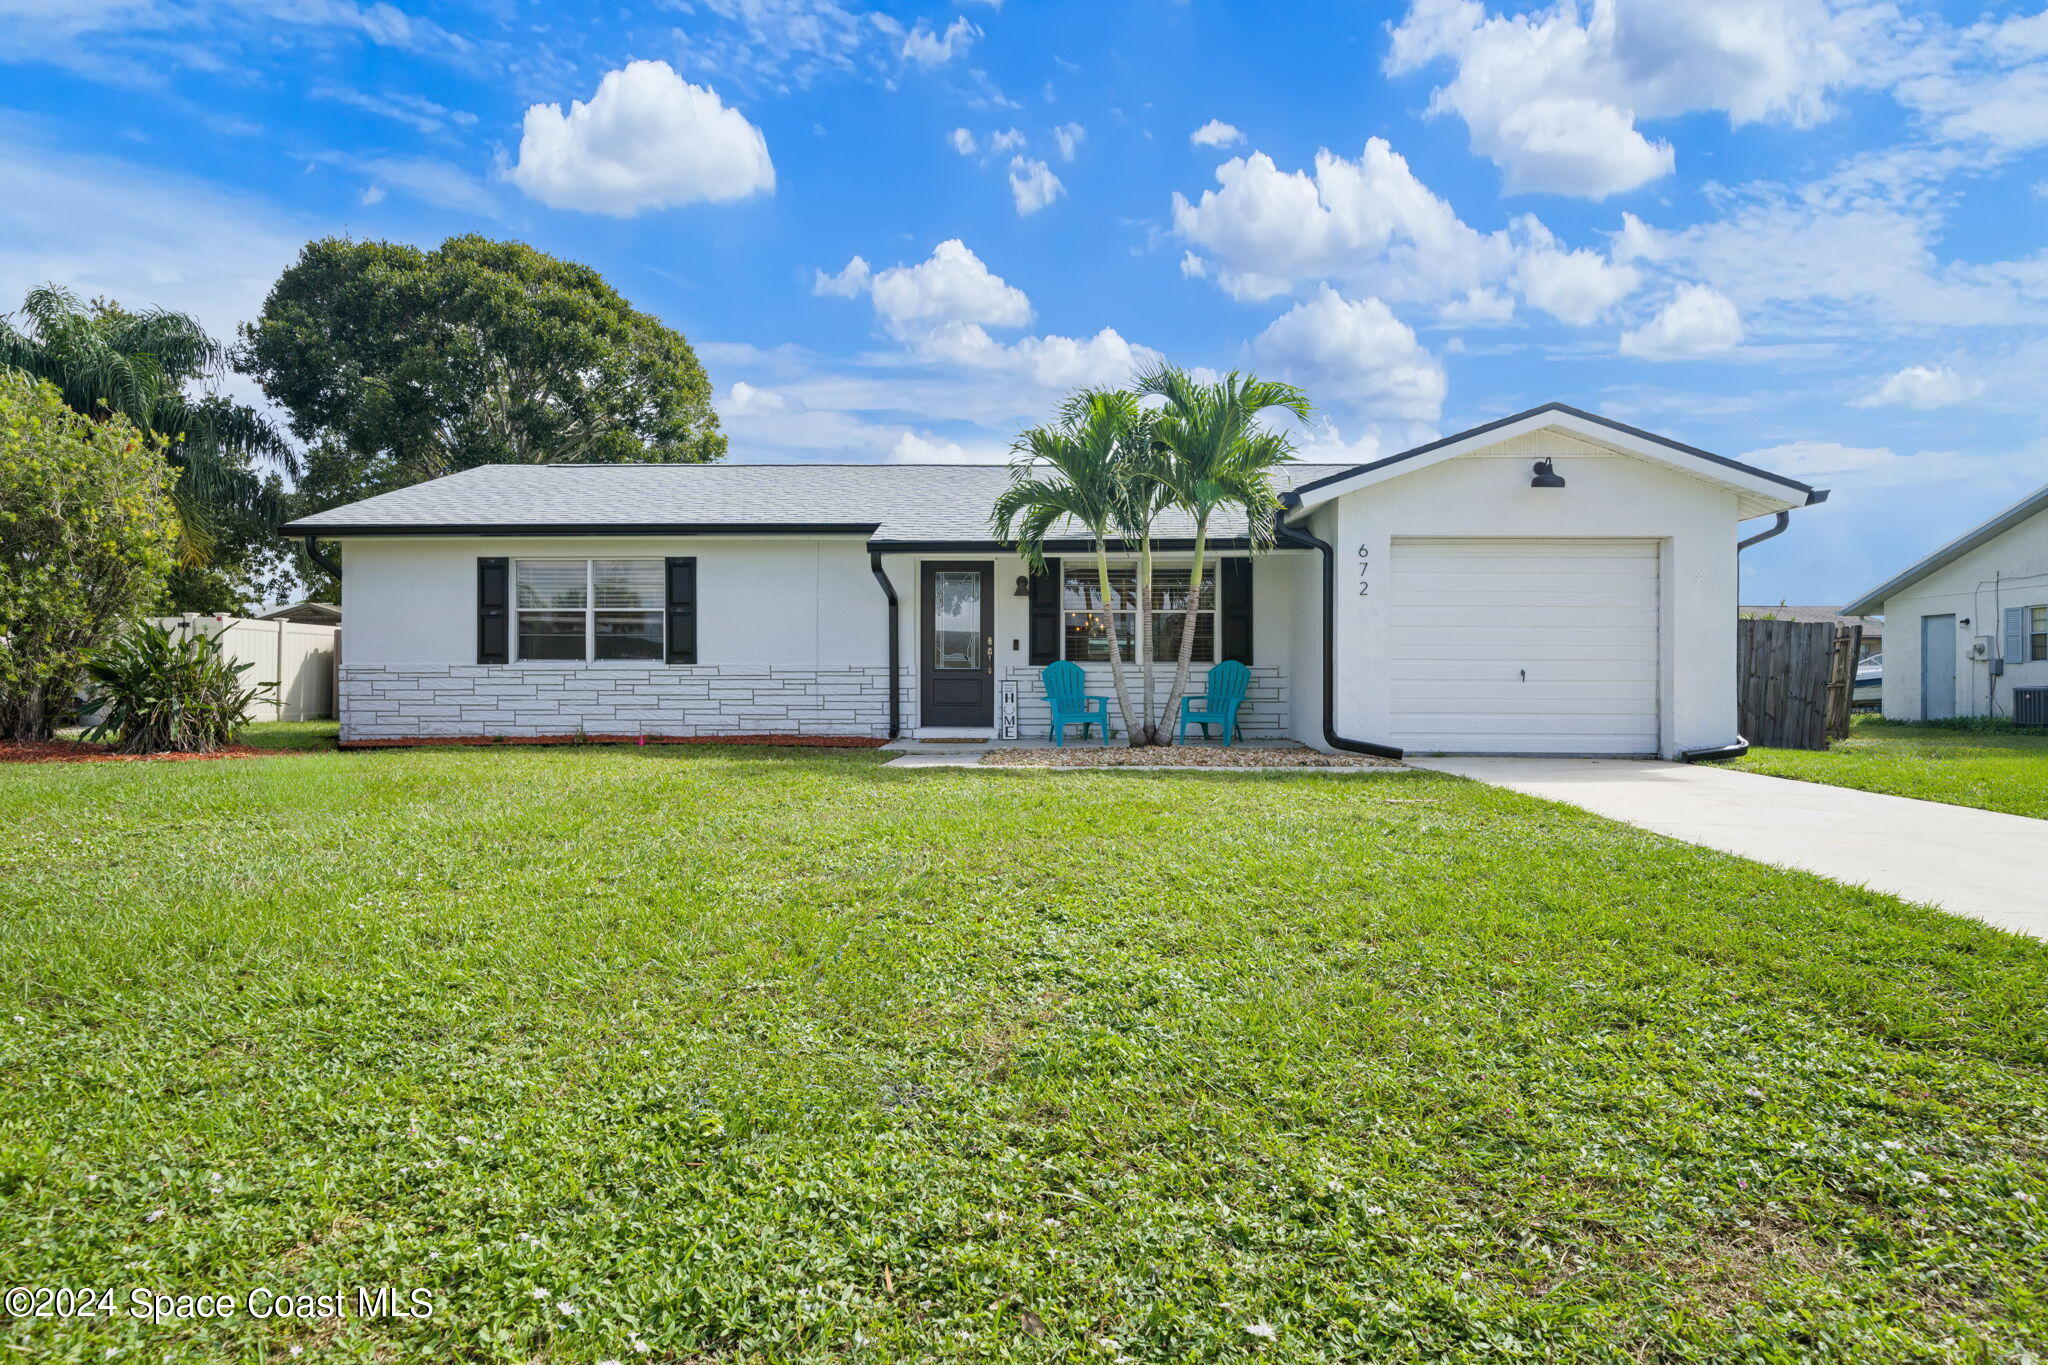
(1969, 622)
(1451, 598)
(1873, 626)
(303, 613)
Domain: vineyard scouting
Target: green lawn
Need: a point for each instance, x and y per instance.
(1996, 770)
(743, 1055)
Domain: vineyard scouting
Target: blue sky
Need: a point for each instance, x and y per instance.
(1810, 234)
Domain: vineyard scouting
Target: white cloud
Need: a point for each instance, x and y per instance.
(941, 310)
(647, 139)
(103, 226)
(851, 279)
(1032, 184)
(1477, 308)
(1068, 138)
(1553, 97)
(1009, 140)
(1369, 221)
(1923, 386)
(1831, 463)
(1853, 253)
(921, 447)
(929, 49)
(427, 179)
(952, 287)
(1575, 287)
(961, 141)
(1356, 352)
(1215, 133)
(1696, 321)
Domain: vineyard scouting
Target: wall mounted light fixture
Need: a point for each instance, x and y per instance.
(1023, 585)
(1546, 476)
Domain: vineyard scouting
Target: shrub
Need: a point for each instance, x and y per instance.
(86, 531)
(164, 693)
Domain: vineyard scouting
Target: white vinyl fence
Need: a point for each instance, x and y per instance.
(300, 659)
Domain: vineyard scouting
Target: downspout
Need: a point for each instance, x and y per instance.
(1291, 535)
(1741, 745)
(895, 664)
(313, 553)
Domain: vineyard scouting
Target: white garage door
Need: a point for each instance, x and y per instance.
(1525, 646)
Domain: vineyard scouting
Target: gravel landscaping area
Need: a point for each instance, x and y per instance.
(1238, 756)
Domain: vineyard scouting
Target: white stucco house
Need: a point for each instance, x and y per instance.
(1967, 626)
(1553, 582)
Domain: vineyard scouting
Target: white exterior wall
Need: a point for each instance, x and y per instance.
(1487, 493)
(2008, 571)
(791, 639)
(1268, 711)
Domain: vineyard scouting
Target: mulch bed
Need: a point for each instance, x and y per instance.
(77, 751)
(487, 741)
(1238, 756)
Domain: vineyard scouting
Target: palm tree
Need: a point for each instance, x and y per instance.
(1075, 469)
(1214, 457)
(107, 360)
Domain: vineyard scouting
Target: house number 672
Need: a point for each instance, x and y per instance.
(1364, 571)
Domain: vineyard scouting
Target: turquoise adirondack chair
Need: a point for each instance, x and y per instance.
(1071, 705)
(1218, 703)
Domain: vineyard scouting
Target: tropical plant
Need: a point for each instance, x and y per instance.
(156, 691)
(1076, 469)
(109, 361)
(86, 536)
(1214, 458)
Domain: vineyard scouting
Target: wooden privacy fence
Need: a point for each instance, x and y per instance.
(301, 659)
(1795, 681)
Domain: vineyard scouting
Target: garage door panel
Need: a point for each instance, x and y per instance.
(1525, 646)
(1573, 672)
(1421, 698)
(1524, 629)
(1507, 727)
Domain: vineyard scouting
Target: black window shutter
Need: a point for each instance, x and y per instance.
(682, 609)
(1235, 610)
(1045, 614)
(493, 624)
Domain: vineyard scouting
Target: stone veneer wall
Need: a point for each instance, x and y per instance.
(409, 701)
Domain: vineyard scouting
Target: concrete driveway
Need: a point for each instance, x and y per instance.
(1971, 862)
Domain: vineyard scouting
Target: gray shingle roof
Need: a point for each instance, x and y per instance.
(1873, 626)
(889, 503)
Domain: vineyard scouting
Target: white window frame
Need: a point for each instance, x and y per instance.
(2036, 634)
(590, 611)
(1212, 573)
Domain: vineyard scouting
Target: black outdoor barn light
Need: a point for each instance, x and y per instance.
(1023, 585)
(1546, 476)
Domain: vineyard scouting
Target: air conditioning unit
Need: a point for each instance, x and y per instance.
(2030, 706)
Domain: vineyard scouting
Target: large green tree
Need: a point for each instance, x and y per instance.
(398, 365)
(87, 529)
(158, 369)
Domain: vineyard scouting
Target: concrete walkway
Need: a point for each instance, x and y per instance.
(1971, 862)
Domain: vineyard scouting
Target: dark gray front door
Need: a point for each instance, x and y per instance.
(957, 676)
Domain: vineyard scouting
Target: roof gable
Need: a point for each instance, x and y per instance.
(2022, 511)
(1528, 433)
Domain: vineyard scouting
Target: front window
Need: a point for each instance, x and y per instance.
(1091, 619)
(2037, 633)
(583, 609)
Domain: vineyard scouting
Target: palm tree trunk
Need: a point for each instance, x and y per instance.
(1187, 631)
(1116, 655)
(1143, 644)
